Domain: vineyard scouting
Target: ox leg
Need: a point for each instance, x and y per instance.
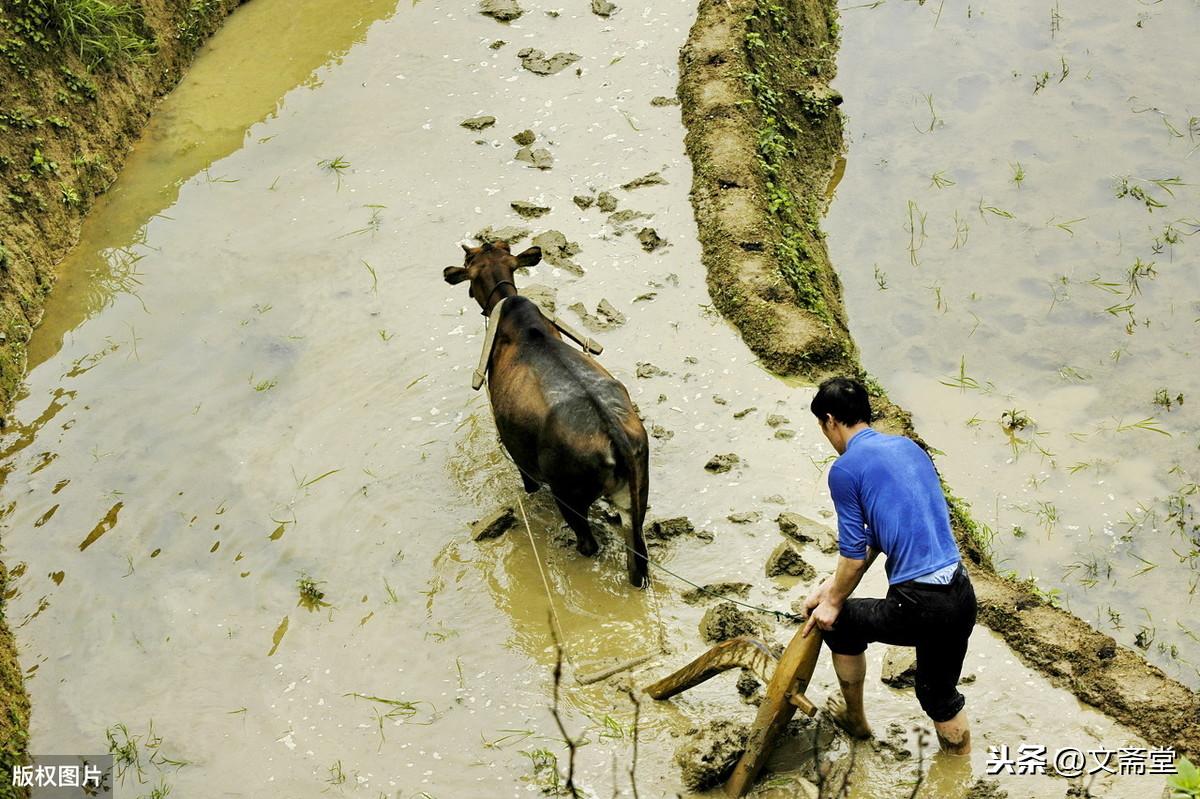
(574, 511)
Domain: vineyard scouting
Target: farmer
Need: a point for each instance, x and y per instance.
(889, 500)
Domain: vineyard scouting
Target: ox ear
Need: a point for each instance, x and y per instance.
(454, 274)
(530, 257)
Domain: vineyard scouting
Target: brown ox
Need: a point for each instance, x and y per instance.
(564, 419)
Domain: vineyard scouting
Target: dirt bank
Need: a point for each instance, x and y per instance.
(764, 135)
(72, 105)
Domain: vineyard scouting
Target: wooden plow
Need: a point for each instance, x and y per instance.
(786, 685)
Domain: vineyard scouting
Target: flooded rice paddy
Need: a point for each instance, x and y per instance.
(240, 483)
(1016, 235)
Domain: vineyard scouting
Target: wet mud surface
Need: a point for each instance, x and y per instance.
(280, 411)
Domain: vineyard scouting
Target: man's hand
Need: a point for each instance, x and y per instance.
(823, 616)
(817, 595)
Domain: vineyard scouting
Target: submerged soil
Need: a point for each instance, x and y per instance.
(764, 136)
(67, 120)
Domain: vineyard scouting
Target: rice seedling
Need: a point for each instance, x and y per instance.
(991, 209)
(373, 224)
(1018, 173)
(1055, 20)
(1046, 514)
(124, 749)
(337, 776)
(934, 119)
(544, 772)
(1065, 225)
(401, 709)
(1146, 565)
(1164, 400)
(262, 385)
(1040, 81)
(508, 738)
(374, 278)
(311, 596)
(1065, 70)
(940, 302)
(1014, 419)
(337, 166)
(1096, 464)
(961, 231)
(305, 481)
(1150, 424)
(880, 278)
(208, 178)
(1136, 272)
(385, 335)
(963, 381)
(1125, 188)
(915, 218)
(940, 180)
(1060, 291)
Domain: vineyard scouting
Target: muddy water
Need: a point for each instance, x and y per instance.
(1002, 272)
(276, 398)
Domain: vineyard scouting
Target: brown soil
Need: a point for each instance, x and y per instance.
(64, 131)
(764, 136)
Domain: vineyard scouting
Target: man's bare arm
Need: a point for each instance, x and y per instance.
(848, 575)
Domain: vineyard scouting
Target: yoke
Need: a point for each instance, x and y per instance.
(588, 344)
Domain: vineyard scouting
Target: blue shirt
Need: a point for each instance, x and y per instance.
(888, 497)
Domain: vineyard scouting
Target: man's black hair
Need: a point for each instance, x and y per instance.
(843, 397)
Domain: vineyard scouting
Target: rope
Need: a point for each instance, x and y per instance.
(779, 615)
(546, 584)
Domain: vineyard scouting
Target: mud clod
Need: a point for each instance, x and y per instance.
(715, 591)
(661, 101)
(478, 123)
(745, 517)
(899, 668)
(606, 317)
(747, 684)
(661, 433)
(528, 210)
(666, 529)
(557, 251)
(744, 412)
(776, 420)
(786, 561)
(785, 434)
(648, 370)
(583, 201)
(493, 525)
(804, 530)
(525, 138)
(606, 202)
(603, 8)
(545, 296)
(987, 789)
(541, 158)
(726, 620)
(502, 10)
(652, 179)
(708, 759)
(510, 235)
(719, 464)
(538, 63)
(496, 45)
(650, 239)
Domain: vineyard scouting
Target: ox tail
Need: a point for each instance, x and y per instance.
(633, 457)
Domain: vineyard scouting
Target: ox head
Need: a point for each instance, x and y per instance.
(488, 267)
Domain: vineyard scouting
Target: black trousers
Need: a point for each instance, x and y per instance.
(936, 619)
